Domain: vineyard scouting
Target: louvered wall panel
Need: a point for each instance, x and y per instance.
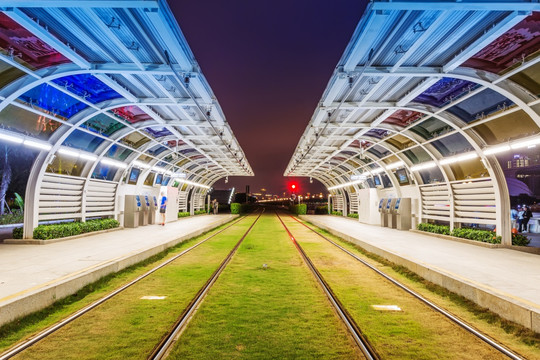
(100, 198)
(60, 197)
(182, 201)
(354, 204)
(475, 202)
(337, 202)
(435, 202)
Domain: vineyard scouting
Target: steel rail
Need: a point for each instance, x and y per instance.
(432, 305)
(162, 349)
(364, 345)
(43, 334)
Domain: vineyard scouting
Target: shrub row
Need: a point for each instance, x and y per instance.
(55, 231)
(353, 215)
(235, 208)
(321, 210)
(298, 209)
(338, 213)
(200, 212)
(472, 234)
(183, 214)
(16, 217)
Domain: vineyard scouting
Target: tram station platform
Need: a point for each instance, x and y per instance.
(34, 276)
(503, 280)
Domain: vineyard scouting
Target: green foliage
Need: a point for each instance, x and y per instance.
(464, 233)
(321, 210)
(55, 231)
(18, 233)
(477, 235)
(298, 209)
(19, 201)
(436, 229)
(337, 213)
(353, 215)
(182, 214)
(16, 217)
(520, 240)
(200, 212)
(236, 208)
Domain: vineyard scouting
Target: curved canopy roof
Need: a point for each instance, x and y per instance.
(434, 87)
(110, 84)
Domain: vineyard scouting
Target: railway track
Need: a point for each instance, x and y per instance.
(163, 348)
(364, 345)
(433, 306)
(20, 347)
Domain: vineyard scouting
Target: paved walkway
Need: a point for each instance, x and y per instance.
(34, 275)
(507, 274)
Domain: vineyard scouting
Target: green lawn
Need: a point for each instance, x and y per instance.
(277, 313)
(416, 332)
(128, 327)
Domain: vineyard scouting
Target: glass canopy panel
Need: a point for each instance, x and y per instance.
(131, 114)
(431, 128)
(83, 141)
(480, 105)
(452, 145)
(444, 91)
(400, 142)
(377, 133)
(470, 169)
(403, 118)
(103, 124)
(156, 150)
(512, 47)
(53, 100)
(135, 140)
(118, 152)
(66, 165)
(512, 126)
(104, 172)
(18, 42)
(529, 79)
(20, 120)
(8, 74)
(378, 151)
(88, 87)
(157, 131)
(417, 155)
(432, 175)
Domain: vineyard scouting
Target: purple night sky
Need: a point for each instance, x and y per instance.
(268, 62)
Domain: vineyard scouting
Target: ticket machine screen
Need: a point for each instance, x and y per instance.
(138, 200)
(155, 202)
(397, 204)
(146, 200)
(388, 204)
(381, 203)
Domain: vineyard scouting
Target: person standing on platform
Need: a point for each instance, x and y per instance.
(163, 207)
(519, 218)
(513, 218)
(527, 215)
(216, 206)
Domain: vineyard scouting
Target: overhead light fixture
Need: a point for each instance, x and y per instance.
(459, 158)
(141, 164)
(37, 145)
(496, 149)
(395, 165)
(347, 184)
(114, 163)
(76, 154)
(10, 138)
(89, 157)
(526, 143)
(68, 152)
(377, 170)
(195, 184)
(423, 166)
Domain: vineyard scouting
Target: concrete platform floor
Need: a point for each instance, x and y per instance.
(504, 280)
(34, 276)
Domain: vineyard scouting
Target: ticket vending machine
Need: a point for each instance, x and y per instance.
(152, 214)
(402, 209)
(382, 206)
(143, 215)
(131, 211)
(390, 214)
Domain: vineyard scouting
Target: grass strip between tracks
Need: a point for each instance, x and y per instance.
(273, 313)
(127, 326)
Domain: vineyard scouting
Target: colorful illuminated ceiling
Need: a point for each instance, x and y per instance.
(89, 83)
(426, 84)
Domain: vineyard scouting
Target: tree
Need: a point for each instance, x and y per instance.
(6, 179)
